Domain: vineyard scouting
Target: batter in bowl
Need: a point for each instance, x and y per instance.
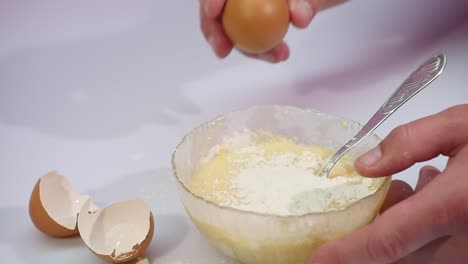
(271, 174)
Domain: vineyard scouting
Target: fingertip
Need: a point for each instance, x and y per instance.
(281, 52)
(220, 45)
(361, 168)
(302, 12)
(426, 175)
(402, 187)
(213, 44)
(366, 164)
(428, 169)
(278, 54)
(224, 48)
(217, 38)
(398, 191)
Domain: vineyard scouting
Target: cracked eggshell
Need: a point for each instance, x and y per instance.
(120, 232)
(54, 205)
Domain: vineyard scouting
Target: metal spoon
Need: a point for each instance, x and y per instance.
(418, 80)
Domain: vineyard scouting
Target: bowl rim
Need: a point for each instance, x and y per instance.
(251, 212)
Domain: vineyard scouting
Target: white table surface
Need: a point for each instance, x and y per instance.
(103, 91)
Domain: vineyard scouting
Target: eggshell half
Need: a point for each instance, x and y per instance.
(54, 206)
(120, 232)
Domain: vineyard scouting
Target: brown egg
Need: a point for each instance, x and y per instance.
(256, 26)
(54, 206)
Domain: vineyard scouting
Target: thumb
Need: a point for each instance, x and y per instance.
(443, 133)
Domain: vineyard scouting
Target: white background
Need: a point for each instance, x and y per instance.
(102, 91)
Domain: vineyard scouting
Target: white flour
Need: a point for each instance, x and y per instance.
(287, 183)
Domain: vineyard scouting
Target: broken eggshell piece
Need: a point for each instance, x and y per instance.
(54, 205)
(120, 232)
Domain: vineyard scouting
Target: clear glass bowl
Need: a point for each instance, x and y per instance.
(252, 237)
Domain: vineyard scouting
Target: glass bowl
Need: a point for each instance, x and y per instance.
(252, 237)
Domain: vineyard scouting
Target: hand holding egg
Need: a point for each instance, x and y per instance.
(255, 27)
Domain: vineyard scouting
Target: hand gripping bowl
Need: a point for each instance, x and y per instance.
(255, 238)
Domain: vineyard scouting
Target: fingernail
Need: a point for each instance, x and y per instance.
(212, 42)
(206, 7)
(428, 173)
(371, 157)
(304, 8)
